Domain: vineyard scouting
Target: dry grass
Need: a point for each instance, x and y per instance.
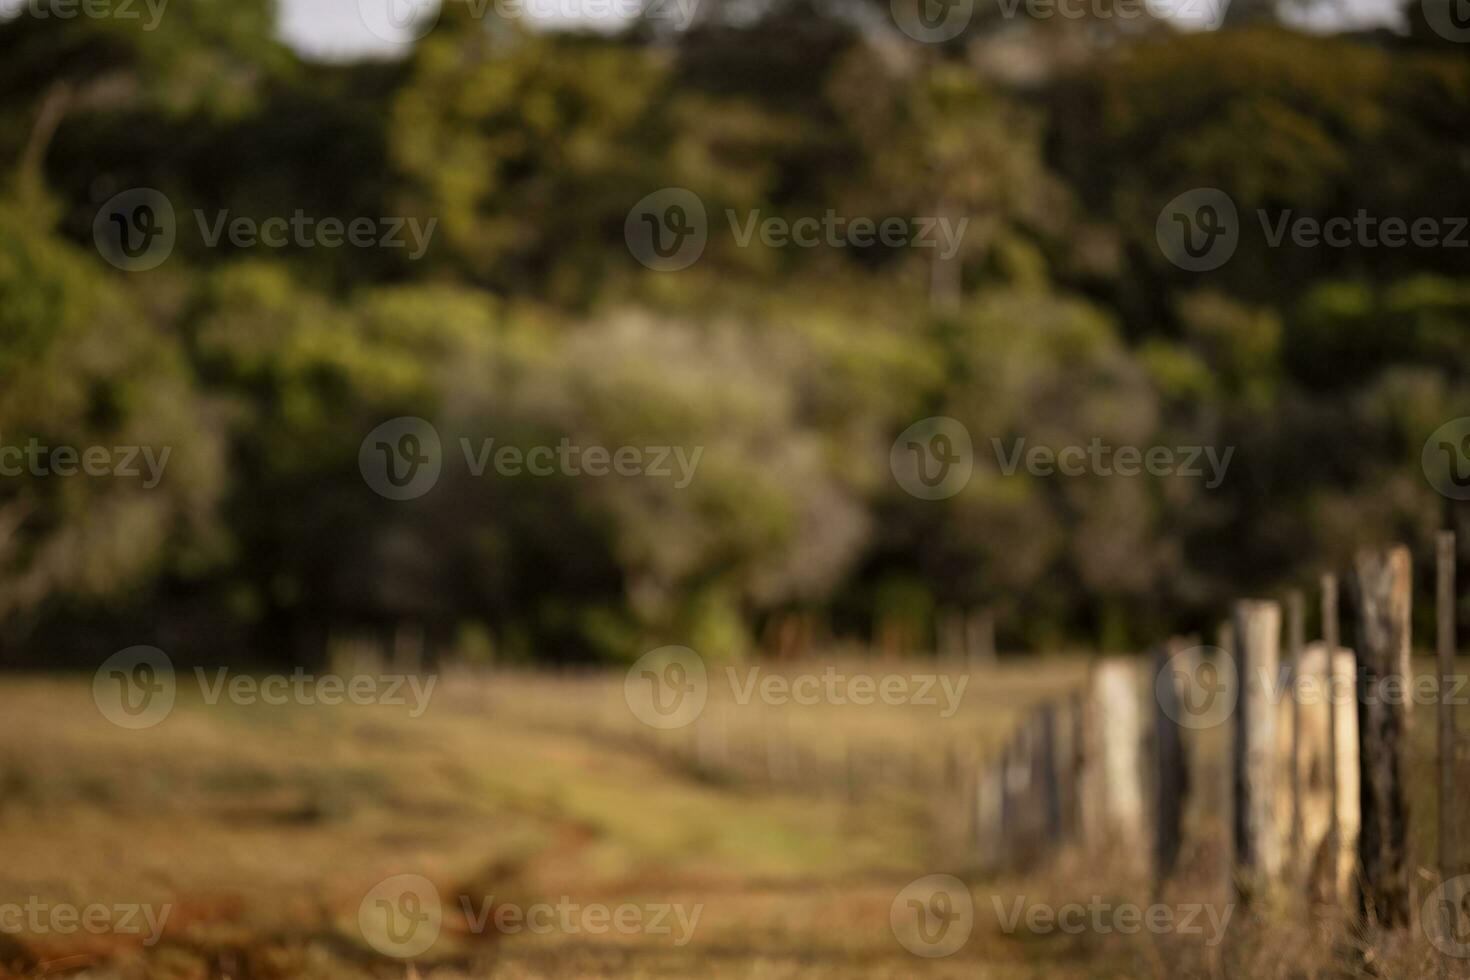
(263, 827)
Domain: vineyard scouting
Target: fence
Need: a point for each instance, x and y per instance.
(1317, 756)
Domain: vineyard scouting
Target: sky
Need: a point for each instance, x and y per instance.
(354, 28)
(378, 28)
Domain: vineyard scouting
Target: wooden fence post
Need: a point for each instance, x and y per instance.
(1329, 808)
(1454, 842)
(1044, 754)
(990, 815)
(1295, 640)
(1256, 834)
(1383, 589)
(980, 636)
(1330, 641)
(1070, 766)
(1171, 768)
(1114, 807)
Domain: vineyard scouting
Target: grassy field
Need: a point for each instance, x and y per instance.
(262, 828)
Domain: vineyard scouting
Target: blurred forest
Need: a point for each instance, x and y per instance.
(529, 320)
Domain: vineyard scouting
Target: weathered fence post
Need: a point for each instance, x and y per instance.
(1114, 807)
(990, 815)
(1015, 813)
(1329, 806)
(1330, 641)
(1171, 768)
(980, 636)
(1044, 754)
(1295, 640)
(1454, 855)
(1257, 844)
(1383, 590)
(1070, 736)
